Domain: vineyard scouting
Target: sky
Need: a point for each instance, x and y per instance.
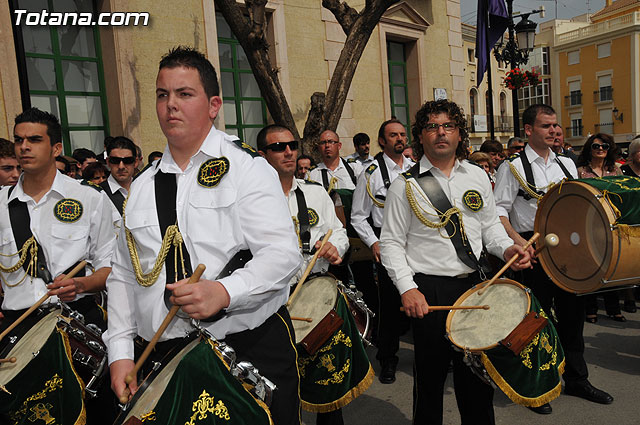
(566, 8)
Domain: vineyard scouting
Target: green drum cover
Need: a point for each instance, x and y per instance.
(623, 192)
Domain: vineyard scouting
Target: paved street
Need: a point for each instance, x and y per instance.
(613, 355)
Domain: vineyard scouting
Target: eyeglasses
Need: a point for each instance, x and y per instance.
(517, 148)
(328, 142)
(282, 146)
(603, 146)
(432, 127)
(127, 160)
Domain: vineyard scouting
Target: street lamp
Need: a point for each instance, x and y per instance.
(516, 51)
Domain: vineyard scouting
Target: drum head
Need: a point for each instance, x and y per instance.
(146, 400)
(28, 346)
(316, 299)
(581, 218)
(480, 330)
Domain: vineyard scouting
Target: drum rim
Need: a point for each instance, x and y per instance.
(467, 294)
(612, 242)
(335, 304)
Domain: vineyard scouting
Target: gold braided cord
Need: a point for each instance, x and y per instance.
(332, 184)
(373, 198)
(441, 223)
(529, 188)
(296, 226)
(30, 247)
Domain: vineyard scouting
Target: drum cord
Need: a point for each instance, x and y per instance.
(296, 226)
(29, 247)
(373, 198)
(446, 216)
(529, 188)
(332, 184)
(171, 237)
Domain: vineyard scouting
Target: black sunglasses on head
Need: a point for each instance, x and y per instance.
(115, 160)
(282, 146)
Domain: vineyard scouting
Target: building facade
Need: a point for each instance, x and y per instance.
(100, 80)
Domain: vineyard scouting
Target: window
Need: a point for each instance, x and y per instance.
(530, 95)
(575, 95)
(473, 102)
(471, 56)
(546, 63)
(398, 86)
(65, 75)
(573, 57)
(245, 111)
(606, 121)
(604, 50)
(605, 91)
(576, 125)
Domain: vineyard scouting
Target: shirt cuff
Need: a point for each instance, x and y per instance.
(406, 283)
(237, 291)
(121, 349)
(370, 241)
(502, 212)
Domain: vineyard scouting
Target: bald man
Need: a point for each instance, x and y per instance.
(344, 174)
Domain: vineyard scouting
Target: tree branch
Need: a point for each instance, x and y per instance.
(345, 14)
(258, 18)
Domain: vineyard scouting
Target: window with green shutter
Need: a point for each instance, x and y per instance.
(398, 86)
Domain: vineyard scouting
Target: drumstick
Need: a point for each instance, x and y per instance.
(8, 360)
(41, 301)
(302, 319)
(550, 240)
(309, 267)
(512, 260)
(124, 397)
(455, 307)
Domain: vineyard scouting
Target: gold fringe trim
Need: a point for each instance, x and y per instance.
(82, 418)
(214, 344)
(625, 231)
(513, 395)
(351, 395)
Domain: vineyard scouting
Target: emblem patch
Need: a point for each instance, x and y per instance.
(371, 168)
(473, 200)
(68, 210)
(313, 217)
(212, 171)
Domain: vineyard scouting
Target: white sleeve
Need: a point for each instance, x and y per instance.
(505, 191)
(361, 210)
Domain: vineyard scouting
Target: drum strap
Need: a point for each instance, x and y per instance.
(528, 173)
(349, 170)
(21, 227)
(166, 190)
(325, 178)
(383, 170)
(116, 197)
(439, 199)
(303, 219)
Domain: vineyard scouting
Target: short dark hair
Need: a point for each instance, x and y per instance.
(385, 124)
(585, 156)
(512, 140)
(189, 57)
(7, 149)
(361, 139)
(153, 155)
(491, 146)
(93, 168)
(261, 138)
(531, 113)
(435, 107)
(82, 154)
(35, 115)
(67, 164)
(121, 142)
(303, 156)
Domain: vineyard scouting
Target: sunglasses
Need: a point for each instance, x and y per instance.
(328, 142)
(517, 148)
(603, 146)
(115, 160)
(282, 146)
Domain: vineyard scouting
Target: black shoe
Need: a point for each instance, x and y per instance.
(388, 371)
(630, 306)
(592, 318)
(545, 409)
(588, 392)
(618, 317)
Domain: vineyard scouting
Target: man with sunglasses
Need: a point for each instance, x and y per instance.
(539, 167)
(514, 146)
(334, 171)
(122, 162)
(430, 265)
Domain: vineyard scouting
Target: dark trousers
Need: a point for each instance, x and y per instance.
(433, 354)
(569, 314)
(392, 323)
(611, 303)
(330, 418)
(271, 348)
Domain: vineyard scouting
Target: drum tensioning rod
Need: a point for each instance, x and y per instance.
(615, 226)
(124, 397)
(41, 301)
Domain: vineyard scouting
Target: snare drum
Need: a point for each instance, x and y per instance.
(598, 229)
(529, 376)
(197, 379)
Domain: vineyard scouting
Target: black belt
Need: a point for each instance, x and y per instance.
(472, 277)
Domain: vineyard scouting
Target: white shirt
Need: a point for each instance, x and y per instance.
(363, 205)
(88, 237)
(245, 210)
(317, 199)
(522, 213)
(408, 247)
(114, 186)
(363, 162)
(341, 173)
